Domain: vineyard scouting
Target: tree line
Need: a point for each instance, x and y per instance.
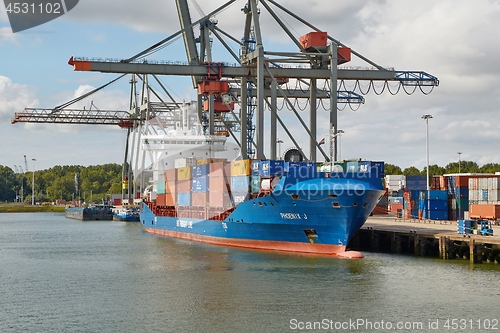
(451, 168)
(61, 183)
(82, 183)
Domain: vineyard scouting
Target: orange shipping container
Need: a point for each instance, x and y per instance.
(170, 187)
(487, 211)
(170, 199)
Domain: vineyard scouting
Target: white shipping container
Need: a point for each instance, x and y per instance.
(184, 162)
(265, 185)
(483, 183)
(493, 195)
(473, 195)
(496, 184)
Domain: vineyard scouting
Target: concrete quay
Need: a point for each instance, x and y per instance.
(427, 238)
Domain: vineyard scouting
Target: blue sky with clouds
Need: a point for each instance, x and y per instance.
(455, 40)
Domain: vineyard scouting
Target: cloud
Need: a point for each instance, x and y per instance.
(15, 97)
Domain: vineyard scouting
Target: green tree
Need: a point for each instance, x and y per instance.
(8, 184)
(465, 167)
(490, 168)
(391, 169)
(411, 171)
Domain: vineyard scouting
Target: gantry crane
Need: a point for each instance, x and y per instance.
(255, 80)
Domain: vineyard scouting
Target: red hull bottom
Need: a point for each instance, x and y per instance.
(335, 250)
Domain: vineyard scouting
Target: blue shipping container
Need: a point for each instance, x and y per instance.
(462, 192)
(184, 199)
(438, 215)
(240, 184)
(438, 195)
(200, 184)
(255, 184)
(302, 170)
(201, 170)
(441, 205)
(484, 195)
(273, 168)
(256, 167)
(376, 168)
(352, 167)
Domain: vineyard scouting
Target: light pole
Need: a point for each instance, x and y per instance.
(459, 153)
(427, 117)
(332, 143)
(279, 142)
(339, 132)
(33, 184)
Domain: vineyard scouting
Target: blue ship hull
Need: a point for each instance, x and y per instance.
(319, 214)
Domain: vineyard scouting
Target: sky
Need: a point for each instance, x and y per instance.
(456, 41)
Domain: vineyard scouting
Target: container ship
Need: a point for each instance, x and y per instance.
(198, 195)
(264, 204)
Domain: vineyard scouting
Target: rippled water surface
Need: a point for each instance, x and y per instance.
(62, 275)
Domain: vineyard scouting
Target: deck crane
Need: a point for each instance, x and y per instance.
(255, 79)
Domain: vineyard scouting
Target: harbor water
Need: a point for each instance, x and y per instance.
(63, 275)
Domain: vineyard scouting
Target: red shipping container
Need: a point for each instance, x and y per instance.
(395, 207)
(217, 169)
(380, 210)
(219, 184)
(117, 202)
(199, 199)
(160, 199)
(219, 199)
(170, 175)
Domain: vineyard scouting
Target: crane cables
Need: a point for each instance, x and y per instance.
(62, 106)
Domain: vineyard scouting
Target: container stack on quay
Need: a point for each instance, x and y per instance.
(452, 197)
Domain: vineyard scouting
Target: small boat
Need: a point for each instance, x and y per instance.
(90, 213)
(128, 214)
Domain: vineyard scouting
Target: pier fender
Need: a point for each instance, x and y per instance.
(350, 255)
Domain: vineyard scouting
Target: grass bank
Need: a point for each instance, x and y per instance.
(19, 208)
